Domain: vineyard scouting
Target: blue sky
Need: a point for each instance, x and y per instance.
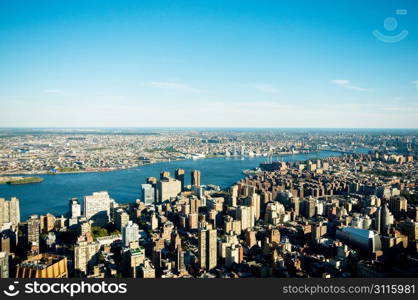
(208, 63)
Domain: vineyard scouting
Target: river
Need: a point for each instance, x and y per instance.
(53, 193)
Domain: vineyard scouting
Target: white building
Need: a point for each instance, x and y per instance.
(97, 208)
(130, 233)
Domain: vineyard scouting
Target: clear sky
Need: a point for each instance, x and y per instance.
(85, 63)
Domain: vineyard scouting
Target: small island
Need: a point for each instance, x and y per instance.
(20, 180)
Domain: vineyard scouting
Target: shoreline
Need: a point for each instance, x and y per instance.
(156, 162)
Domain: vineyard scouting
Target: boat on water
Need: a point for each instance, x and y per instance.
(198, 156)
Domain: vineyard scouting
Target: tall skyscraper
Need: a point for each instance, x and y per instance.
(148, 193)
(207, 248)
(130, 233)
(9, 211)
(75, 208)
(33, 230)
(195, 178)
(179, 175)
(168, 188)
(97, 208)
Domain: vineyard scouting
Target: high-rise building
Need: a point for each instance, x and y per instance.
(193, 221)
(308, 207)
(207, 248)
(47, 223)
(232, 255)
(75, 208)
(148, 193)
(9, 211)
(121, 219)
(130, 233)
(33, 230)
(7, 241)
(179, 175)
(180, 266)
(43, 265)
(4, 265)
(154, 221)
(195, 180)
(85, 255)
(168, 188)
(245, 214)
(398, 205)
(97, 208)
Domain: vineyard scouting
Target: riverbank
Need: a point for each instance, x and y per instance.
(103, 170)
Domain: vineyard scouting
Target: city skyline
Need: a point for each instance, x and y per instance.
(207, 64)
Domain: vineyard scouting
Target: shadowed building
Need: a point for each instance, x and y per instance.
(179, 175)
(195, 178)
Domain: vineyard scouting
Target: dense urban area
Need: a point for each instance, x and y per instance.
(355, 215)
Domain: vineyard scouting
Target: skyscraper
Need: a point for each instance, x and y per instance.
(207, 248)
(246, 215)
(195, 178)
(148, 193)
(179, 175)
(180, 260)
(121, 219)
(398, 205)
(33, 230)
(130, 233)
(97, 208)
(308, 207)
(9, 211)
(168, 188)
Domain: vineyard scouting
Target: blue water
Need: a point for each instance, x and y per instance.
(53, 193)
